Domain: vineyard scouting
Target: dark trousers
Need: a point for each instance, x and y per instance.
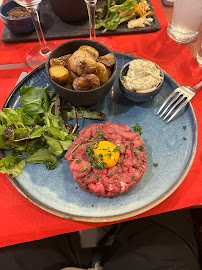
(161, 242)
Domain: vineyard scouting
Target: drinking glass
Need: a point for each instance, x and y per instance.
(91, 7)
(199, 56)
(39, 53)
(186, 19)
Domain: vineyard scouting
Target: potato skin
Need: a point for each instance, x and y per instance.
(107, 59)
(109, 71)
(72, 76)
(82, 63)
(68, 86)
(92, 51)
(59, 74)
(86, 82)
(61, 61)
(101, 72)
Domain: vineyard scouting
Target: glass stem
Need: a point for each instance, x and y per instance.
(35, 18)
(200, 51)
(91, 6)
(199, 56)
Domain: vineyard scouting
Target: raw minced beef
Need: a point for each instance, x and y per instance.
(108, 182)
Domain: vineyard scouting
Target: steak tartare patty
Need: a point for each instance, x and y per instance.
(92, 174)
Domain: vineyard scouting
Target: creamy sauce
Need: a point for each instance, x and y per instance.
(142, 76)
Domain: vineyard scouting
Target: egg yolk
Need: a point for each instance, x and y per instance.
(107, 152)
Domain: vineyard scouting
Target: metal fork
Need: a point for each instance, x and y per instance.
(180, 96)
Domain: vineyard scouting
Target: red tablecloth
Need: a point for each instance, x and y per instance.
(20, 220)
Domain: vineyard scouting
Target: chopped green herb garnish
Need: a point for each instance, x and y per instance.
(141, 148)
(78, 160)
(117, 149)
(83, 168)
(184, 127)
(184, 138)
(138, 128)
(91, 158)
(126, 146)
(137, 154)
(133, 177)
(156, 164)
(75, 148)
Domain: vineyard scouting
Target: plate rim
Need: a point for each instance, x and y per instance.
(111, 218)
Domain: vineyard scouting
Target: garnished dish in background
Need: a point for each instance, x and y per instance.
(136, 13)
(17, 12)
(107, 159)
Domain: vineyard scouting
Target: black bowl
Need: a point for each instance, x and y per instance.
(75, 97)
(16, 25)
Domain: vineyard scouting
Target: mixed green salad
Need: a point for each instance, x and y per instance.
(115, 12)
(36, 131)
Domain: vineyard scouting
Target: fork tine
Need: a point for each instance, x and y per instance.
(172, 101)
(174, 106)
(179, 109)
(166, 101)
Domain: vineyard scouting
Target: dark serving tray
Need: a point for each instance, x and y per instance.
(55, 28)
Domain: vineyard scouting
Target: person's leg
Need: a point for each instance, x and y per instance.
(163, 241)
(51, 253)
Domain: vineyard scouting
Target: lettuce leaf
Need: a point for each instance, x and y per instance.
(13, 164)
(44, 156)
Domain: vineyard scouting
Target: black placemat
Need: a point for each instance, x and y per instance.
(55, 28)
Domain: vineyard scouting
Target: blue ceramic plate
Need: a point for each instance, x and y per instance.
(56, 191)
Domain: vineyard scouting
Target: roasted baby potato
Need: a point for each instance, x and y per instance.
(81, 62)
(71, 77)
(82, 70)
(68, 86)
(60, 61)
(108, 60)
(92, 51)
(109, 72)
(101, 72)
(59, 74)
(86, 82)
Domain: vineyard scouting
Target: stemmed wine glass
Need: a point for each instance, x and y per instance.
(199, 56)
(91, 7)
(39, 53)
